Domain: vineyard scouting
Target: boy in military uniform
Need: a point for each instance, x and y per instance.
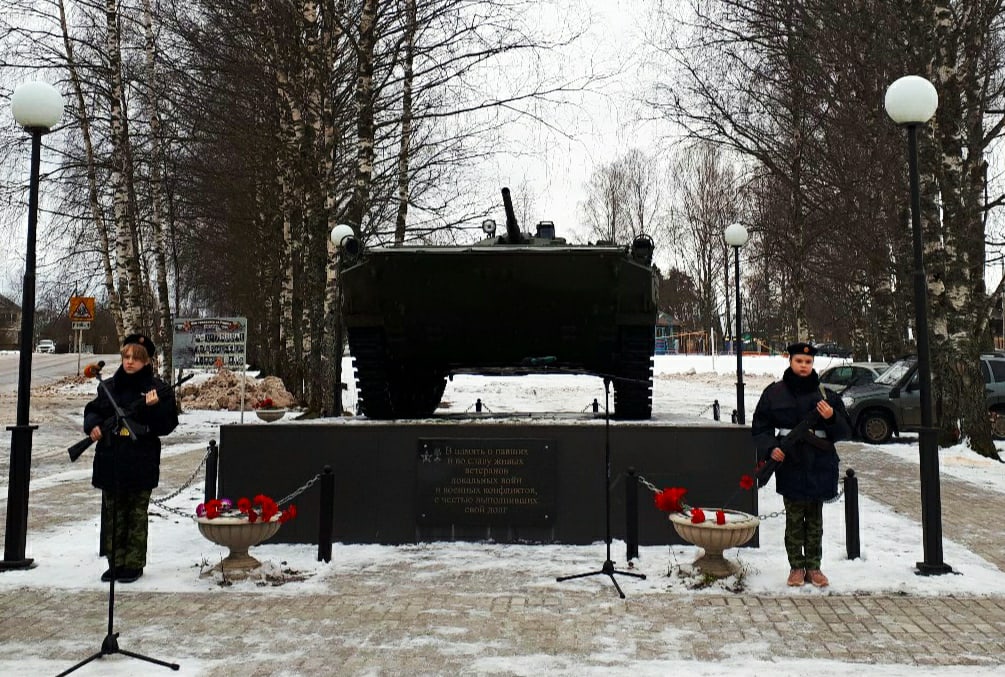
(807, 473)
(124, 469)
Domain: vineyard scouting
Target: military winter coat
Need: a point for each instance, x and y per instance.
(119, 462)
(810, 469)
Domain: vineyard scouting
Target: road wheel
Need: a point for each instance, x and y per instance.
(998, 424)
(875, 427)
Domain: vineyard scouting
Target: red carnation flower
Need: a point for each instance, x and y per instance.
(243, 504)
(669, 500)
(746, 482)
(720, 516)
(288, 514)
(697, 515)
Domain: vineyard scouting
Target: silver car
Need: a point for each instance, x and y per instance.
(45, 346)
(851, 374)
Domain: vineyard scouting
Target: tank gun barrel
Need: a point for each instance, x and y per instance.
(513, 235)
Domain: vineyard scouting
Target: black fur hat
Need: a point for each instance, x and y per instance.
(142, 340)
(800, 348)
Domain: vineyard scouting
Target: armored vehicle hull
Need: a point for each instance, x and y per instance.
(416, 315)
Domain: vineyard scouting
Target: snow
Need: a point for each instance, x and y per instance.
(684, 386)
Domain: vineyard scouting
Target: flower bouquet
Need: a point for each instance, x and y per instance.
(713, 531)
(238, 528)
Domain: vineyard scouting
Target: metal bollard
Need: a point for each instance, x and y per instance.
(715, 410)
(326, 516)
(212, 463)
(733, 416)
(631, 516)
(596, 406)
(851, 515)
(478, 405)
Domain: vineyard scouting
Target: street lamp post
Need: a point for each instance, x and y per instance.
(37, 107)
(736, 237)
(911, 101)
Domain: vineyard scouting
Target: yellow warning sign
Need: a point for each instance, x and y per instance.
(82, 308)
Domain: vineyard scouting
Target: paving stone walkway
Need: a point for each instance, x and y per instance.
(387, 621)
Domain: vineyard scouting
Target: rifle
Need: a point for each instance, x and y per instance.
(124, 415)
(799, 433)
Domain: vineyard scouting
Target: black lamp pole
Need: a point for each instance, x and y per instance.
(738, 340)
(931, 497)
(15, 536)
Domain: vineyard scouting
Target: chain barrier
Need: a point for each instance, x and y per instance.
(161, 501)
(304, 487)
(778, 513)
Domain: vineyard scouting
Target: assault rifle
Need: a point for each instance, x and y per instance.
(125, 415)
(798, 434)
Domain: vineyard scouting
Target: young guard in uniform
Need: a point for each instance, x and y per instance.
(127, 470)
(807, 473)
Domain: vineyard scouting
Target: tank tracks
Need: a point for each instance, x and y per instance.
(389, 390)
(633, 382)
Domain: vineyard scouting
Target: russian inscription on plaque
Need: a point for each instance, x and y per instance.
(494, 482)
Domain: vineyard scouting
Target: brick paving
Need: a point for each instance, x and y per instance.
(388, 621)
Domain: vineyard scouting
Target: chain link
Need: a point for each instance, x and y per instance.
(160, 502)
(653, 488)
(307, 485)
(648, 485)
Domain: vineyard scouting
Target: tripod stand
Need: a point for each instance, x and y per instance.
(608, 567)
(110, 645)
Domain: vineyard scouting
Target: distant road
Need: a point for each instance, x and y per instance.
(46, 368)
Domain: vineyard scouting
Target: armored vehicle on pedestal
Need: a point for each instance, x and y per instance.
(511, 304)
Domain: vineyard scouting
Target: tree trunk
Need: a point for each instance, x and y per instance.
(127, 284)
(97, 215)
(165, 333)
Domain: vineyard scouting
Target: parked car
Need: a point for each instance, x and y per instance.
(852, 374)
(892, 403)
(832, 350)
(45, 346)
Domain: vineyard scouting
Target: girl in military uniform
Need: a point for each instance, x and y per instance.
(126, 470)
(807, 473)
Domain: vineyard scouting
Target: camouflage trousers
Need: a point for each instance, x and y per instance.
(130, 518)
(804, 533)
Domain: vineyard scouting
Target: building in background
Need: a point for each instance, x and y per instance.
(10, 324)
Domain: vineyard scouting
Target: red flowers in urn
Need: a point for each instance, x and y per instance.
(265, 403)
(259, 509)
(727, 529)
(671, 500)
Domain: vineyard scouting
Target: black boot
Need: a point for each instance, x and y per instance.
(107, 576)
(128, 574)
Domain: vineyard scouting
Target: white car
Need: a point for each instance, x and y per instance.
(46, 346)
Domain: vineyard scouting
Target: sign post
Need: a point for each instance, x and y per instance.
(81, 317)
(211, 342)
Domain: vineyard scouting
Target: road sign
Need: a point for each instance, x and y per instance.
(81, 325)
(82, 308)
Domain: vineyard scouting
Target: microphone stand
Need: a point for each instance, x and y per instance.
(608, 567)
(110, 645)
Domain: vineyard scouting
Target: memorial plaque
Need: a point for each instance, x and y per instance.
(492, 482)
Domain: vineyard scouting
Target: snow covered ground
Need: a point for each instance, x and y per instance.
(684, 386)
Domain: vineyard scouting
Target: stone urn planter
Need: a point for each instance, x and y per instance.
(237, 534)
(270, 415)
(714, 538)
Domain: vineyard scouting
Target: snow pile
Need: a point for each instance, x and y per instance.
(223, 391)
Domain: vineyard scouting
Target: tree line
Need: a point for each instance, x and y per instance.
(783, 128)
(210, 147)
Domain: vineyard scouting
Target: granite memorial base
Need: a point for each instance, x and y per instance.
(518, 480)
